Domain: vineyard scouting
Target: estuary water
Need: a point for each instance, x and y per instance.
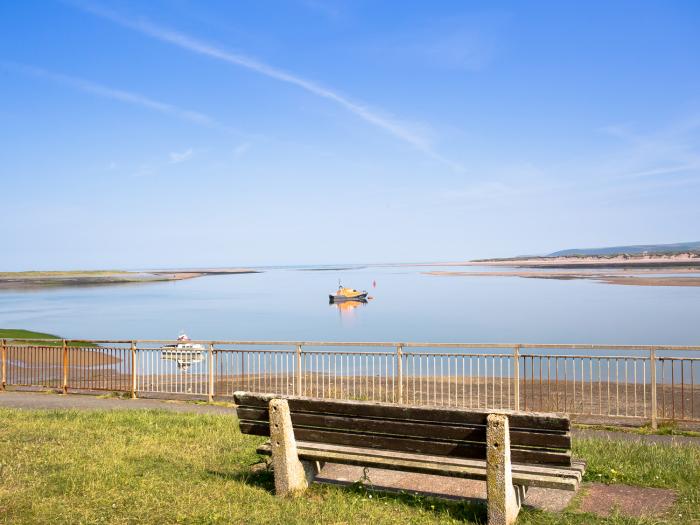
(291, 303)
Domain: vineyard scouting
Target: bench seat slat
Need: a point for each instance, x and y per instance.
(422, 466)
(410, 428)
(416, 445)
(575, 471)
(517, 420)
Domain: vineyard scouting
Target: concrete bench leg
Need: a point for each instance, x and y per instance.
(503, 499)
(291, 475)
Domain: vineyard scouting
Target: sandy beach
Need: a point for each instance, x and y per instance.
(674, 260)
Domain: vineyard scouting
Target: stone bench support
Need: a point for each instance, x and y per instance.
(292, 476)
(503, 498)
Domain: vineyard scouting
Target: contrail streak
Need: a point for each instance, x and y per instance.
(197, 46)
(116, 94)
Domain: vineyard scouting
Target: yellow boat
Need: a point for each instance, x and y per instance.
(347, 294)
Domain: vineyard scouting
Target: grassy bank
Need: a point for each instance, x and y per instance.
(16, 333)
(36, 279)
(41, 338)
(70, 273)
(161, 467)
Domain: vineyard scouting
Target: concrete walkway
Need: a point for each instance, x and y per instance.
(41, 400)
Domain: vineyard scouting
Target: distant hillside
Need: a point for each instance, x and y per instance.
(642, 248)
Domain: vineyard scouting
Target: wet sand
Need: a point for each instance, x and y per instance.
(623, 278)
(652, 281)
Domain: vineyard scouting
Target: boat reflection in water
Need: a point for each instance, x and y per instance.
(346, 309)
(347, 306)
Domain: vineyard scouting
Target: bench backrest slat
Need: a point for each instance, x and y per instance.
(530, 420)
(422, 429)
(535, 437)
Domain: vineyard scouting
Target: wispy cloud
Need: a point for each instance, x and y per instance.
(665, 170)
(667, 152)
(520, 183)
(241, 149)
(374, 117)
(460, 42)
(465, 42)
(177, 158)
(145, 169)
(163, 163)
(479, 193)
(114, 94)
(328, 8)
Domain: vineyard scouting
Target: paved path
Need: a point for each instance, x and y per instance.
(42, 400)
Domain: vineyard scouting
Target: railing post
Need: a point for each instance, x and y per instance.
(210, 389)
(652, 364)
(4, 363)
(297, 371)
(243, 376)
(516, 373)
(133, 370)
(399, 369)
(65, 367)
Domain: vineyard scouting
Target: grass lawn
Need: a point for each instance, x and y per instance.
(163, 467)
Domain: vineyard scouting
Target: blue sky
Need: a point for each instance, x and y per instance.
(182, 133)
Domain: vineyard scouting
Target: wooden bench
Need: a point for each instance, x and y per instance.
(475, 444)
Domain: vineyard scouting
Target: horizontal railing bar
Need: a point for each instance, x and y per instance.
(58, 340)
(443, 354)
(611, 347)
(587, 356)
(543, 346)
(250, 350)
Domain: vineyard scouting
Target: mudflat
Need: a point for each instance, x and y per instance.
(608, 278)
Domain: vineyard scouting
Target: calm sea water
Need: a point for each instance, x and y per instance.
(292, 304)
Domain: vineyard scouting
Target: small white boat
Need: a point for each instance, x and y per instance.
(184, 353)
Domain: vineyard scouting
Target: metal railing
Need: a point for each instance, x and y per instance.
(608, 381)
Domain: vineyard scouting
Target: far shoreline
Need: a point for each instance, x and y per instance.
(685, 259)
(634, 270)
